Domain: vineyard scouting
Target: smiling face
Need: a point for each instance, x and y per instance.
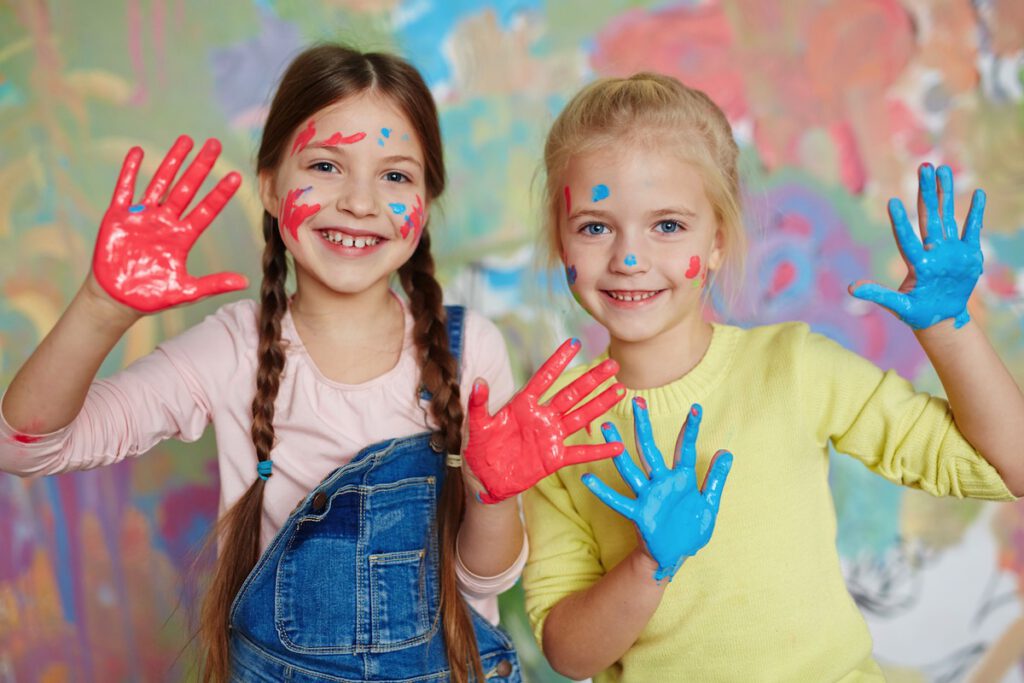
(349, 194)
(638, 238)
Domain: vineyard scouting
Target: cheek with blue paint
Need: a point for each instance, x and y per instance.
(570, 275)
(599, 192)
(397, 208)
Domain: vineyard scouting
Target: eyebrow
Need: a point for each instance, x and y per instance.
(660, 213)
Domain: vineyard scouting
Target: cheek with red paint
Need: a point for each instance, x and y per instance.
(293, 213)
(414, 220)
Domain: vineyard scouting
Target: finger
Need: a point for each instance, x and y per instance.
(686, 442)
(630, 473)
(897, 302)
(714, 480)
(928, 205)
(577, 455)
(972, 227)
(607, 495)
(187, 186)
(581, 387)
(168, 169)
(478, 396)
(945, 176)
(125, 188)
(219, 283)
(552, 368)
(213, 203)
(649, 452)
(593, 409)
(909, 244)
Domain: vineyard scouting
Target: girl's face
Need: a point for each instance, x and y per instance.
(350, 194)
(639, 238)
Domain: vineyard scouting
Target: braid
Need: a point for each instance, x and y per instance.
(439, 375)
(240, 526)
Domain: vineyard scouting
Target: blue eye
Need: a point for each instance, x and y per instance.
(396, 177)
(669, 227)
(595, 229)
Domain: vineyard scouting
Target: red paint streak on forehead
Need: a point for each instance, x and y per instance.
(304, 137)
(338, 139)
(568, 201)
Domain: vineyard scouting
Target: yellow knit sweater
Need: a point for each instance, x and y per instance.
(765, 599)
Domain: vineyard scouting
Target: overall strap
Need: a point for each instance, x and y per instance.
(455, 318)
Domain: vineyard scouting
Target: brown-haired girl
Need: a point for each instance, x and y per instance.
(350, 531)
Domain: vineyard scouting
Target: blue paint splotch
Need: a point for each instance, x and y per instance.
(599, 192)
(570, 275)
(397, 208)
(386, 132)
(630, 260)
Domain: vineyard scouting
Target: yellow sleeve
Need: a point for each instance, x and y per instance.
(564, 556)
(908, 437)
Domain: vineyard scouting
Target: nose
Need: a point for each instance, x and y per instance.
(627, 259)
(358, 198)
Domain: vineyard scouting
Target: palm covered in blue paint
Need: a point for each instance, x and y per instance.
(941, 272)
(674, 518)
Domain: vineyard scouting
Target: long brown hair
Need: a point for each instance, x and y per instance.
(318, 77)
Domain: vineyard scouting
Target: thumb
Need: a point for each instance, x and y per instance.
(478, 397)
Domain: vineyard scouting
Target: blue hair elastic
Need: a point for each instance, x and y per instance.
(265, 468)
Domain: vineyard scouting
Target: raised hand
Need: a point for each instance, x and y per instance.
(941, 272)
(523, 442)
(141, 249)
(675, 520)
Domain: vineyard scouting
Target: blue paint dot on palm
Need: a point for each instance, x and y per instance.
(630, 260)
(599, 192)
(397, 208)
(136, 208)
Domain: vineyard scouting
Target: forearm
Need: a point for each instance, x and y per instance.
(49, 390)
(987, 404)
(590, 630)
(491, 536)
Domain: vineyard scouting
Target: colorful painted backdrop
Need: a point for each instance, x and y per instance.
(834, 104)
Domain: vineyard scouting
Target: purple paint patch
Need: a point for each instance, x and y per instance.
(570, 275)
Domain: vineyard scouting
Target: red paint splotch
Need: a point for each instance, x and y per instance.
(568, 201)
(304, 137)
(339, 139)
(293, 215)
(25, 438)
(694, 269)
(414, 221)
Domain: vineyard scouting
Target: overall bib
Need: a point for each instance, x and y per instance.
(349, 589)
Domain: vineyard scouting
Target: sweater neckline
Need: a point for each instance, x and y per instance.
(693, 387)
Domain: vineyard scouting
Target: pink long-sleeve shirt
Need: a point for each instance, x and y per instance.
(208, 374)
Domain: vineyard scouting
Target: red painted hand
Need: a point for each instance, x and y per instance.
(524, 441)
(142, 248)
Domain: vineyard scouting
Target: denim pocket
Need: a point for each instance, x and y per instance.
(398, 598)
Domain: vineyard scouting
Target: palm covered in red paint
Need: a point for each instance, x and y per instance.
(523, 442)
(142, 249)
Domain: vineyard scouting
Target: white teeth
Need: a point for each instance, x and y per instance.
(631, 297)
(335, 237)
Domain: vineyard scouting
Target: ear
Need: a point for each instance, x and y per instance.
(268, 193)
(717, 254)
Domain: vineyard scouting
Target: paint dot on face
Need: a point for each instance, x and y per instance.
(405, 137)
(599, 192)
(136, 208)
(630, 260)
(568, 201)
(570, 275)
(397, 208)
(386, 132)
(694, 269)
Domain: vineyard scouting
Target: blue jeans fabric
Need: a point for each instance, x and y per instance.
(348, 590)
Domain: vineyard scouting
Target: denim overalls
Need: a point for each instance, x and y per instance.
(348, 589)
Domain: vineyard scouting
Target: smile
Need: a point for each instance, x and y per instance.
(342, 239)
(631, 296)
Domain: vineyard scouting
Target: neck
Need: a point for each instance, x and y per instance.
(663, 359)
(371, 314)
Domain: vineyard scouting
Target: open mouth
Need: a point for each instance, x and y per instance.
(631, 296)
(344, 239)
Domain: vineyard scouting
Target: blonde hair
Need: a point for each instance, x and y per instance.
(656, 110)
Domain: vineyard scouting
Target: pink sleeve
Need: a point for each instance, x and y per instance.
(157, 397)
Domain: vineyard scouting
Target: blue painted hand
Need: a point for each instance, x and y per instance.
(941, 272)
(674, 518)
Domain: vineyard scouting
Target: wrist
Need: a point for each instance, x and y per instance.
(103, 309)
(645, 567)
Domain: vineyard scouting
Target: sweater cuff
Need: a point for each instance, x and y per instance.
(977, 478)
(475, 586)
(28, 441)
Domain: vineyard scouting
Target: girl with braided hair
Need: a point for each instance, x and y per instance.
(353, 543)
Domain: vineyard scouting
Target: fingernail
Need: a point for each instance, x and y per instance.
(574, 341)
(639, 402)
(695, 410)
(621, 391)
(606, 427)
